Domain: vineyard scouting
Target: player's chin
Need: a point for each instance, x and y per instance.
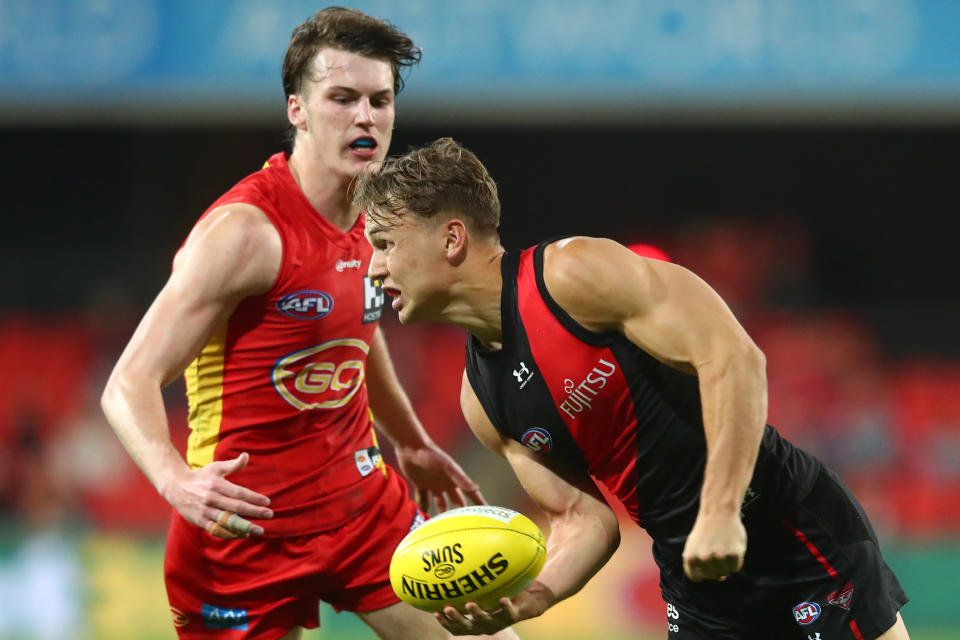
(407, 313)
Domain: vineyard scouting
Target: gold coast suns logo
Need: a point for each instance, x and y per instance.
(326, 376)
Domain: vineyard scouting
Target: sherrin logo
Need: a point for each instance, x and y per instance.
(806, 613)
(465, 584)
(326, 376)
(308, 304)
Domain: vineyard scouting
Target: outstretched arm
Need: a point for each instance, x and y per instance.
(436, 476)
(676, 317)
(233, 253)
(584, 531)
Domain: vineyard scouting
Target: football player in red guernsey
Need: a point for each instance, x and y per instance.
(588, 363)
(283, 500)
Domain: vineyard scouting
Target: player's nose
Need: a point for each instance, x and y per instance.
(378, 266)
(365, 113)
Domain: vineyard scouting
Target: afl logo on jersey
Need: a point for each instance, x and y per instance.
(537, 439)
(806, 613)
(308, 304)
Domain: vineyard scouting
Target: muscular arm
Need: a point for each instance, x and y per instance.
(437, 477)
(233, 253)
(584, 531)
(676, 317)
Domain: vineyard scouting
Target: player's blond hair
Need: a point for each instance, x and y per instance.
(442, 178)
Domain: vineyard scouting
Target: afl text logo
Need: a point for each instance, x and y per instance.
(308, 304)
(537, 439)
(326, 376)
(806, 613)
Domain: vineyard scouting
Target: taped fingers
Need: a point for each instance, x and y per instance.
(238, 524)
(229, 526)
(220, 531)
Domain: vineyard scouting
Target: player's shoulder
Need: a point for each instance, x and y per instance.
(591, 278)
(574, 254)
(239, 232)
(235, 223)
(583, 264)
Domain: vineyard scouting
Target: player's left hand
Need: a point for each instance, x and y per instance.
(437, 478)
(477, 621)
(715, 547)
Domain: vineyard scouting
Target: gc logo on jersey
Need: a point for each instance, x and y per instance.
(326, 376)
(372, 299)
(308, 304)
(537, 439)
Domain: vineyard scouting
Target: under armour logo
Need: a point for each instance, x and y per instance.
(523, 375)
(815, 636)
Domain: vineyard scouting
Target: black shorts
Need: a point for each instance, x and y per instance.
(812, 572)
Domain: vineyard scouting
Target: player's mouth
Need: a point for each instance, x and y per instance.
(364, 146)
(395, 294)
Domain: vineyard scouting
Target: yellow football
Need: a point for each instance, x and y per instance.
(472, 554)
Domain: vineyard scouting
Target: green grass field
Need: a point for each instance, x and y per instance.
(124, 598)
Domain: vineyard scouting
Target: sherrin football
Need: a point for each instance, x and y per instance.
(472, 554)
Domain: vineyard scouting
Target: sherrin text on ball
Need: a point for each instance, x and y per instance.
(472, 554)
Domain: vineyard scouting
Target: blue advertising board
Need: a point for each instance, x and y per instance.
(137, 58)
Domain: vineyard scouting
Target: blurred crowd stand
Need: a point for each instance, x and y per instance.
(891, 428)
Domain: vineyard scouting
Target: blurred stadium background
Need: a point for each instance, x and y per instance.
(800, 155)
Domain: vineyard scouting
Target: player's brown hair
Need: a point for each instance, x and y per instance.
(440, 178)
(349, 30)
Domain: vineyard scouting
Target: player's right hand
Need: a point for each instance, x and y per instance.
(716, 546)
(529, 603)
(207, 499)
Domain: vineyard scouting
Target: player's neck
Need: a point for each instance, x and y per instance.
(326, 191)
(474, 302)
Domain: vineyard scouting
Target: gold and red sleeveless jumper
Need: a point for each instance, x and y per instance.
(284, 379)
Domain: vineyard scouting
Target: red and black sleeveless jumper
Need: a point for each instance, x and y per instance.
(635, 425)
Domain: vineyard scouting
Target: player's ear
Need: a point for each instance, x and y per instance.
(455, 239)
(295, 112)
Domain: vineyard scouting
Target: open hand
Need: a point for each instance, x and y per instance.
(207, 499)
(476, 621)
(437, 478)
